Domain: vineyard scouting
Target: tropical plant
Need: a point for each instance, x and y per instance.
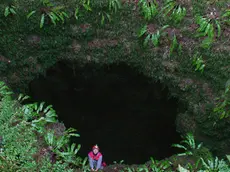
(17, 139)
(120, 162)
(6, 104)
(38, 115)
(86, 6)
(173, 11)
(222, 107)
(155, 166)
(104, 15)
(154, 37)
(69, 154)
(215, 165)
(190, 145)
(10, 10)
(143, 168)
(198, 63)
(159, 166)
(59, 145)
(226, 16)
(114, 5)
(4, 90)
(207, 29)
(51, 11)
(25, 149)
(210, 26)
(182, 169)
(175, 46)
(228, 157)
(148, 8)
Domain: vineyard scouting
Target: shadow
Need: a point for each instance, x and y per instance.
(124, 112)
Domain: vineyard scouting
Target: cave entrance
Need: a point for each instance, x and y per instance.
(125, 113)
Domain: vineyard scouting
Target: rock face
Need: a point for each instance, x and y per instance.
(27, 51)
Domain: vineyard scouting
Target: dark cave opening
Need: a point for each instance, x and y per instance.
(125, 113)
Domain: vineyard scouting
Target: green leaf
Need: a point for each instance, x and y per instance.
(147, 40)
(102, 19)
(164, 27)
(222, 115)
(87, 7)
(65, 14)
(53, 17)
(199, 146)
(182, 169)
(206, 43)
(173, 45)
(51, 113)
(228, 157)
(47, 108)
(179, 146)
(108, 16)
(154, 40)
(51, 120)
(78, 148)
(218, 28)
(61, 17)
(226, 14)
(42, 20)
(6, 13)
(12, 11)
(74, 134)
(76, 13)
(41, 106)
(30, 14)
(142, 31)
(207, 28)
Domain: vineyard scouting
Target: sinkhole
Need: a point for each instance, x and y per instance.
(130, 117)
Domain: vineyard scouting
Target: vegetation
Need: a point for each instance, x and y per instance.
(32, 139)
(189, 53)
(48, 9)
(222, 107)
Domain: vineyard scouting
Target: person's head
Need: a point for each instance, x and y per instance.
(95, 149)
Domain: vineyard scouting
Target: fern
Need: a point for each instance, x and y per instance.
(175, 46)
(6, 104)
(182, 169)
(20, 144)
(104, 16)
(54, 13)
(10, 10)
(86, 5)
(148, 8)
(198, 62)
(207, 29)
(4, 90)
(173, 11)
(114, 5)
(215, 165)
(59, 145)
(222, 107)
(153, 37)
(7, 109)
(226, 16)
(189, 145)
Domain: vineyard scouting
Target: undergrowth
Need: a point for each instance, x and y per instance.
(32, 139)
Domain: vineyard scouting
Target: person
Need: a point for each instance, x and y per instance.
(95, 159)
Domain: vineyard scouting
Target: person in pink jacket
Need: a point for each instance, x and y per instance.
(95, 159)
